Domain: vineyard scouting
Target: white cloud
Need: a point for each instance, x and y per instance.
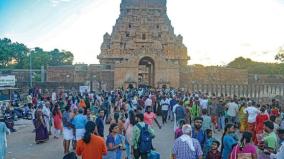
(56, 2)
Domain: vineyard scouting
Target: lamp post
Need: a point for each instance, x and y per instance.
(31, 74)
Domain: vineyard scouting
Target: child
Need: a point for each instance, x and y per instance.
(178, 131)
(208, 142)
(214, 153)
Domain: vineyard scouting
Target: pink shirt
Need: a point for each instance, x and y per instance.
(149, 118)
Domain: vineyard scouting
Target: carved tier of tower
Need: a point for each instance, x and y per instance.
(143, 26)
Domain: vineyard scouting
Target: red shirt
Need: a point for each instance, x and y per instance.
(260, 119)
(149, 118)
(275, 112)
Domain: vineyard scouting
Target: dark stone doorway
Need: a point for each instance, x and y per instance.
(146, 72)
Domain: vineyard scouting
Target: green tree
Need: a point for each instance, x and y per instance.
(6, 52)
(254, 67)
(280, 55)
(17, 55)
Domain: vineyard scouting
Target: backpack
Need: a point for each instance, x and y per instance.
(70, 155)
(180, 113)
(145, 139)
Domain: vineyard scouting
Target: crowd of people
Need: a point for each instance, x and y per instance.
(247, 129)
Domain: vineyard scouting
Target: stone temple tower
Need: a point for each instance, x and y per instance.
(142, 48)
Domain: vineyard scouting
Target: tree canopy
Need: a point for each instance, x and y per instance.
(254, 67)
(15, 55)
(280, 55)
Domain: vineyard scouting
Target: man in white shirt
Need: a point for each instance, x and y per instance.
(204, 103)
(53, 97)
(232, 111)
(165, 103)
(148, 102)
(252, 113)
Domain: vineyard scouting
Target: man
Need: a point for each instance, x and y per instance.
(213, 113)
(204, 103)
(148, 102)
(173, 102)
(53, 97)
(136, 142)
(179, 112)
(79, 123)
(280, 152)
(197, 132)
(106, 108)
(149, 117)
(221, 115)
(269, 144)
(186, 147)
(232, 111)
(67, 129)
(252, 113)
(165, 103)
(100, 123)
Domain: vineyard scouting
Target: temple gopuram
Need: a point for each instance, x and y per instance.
(143, 48)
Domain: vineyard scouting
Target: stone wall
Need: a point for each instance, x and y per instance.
(257, 78)
(211, 75)
(22, 75)
(100, 75)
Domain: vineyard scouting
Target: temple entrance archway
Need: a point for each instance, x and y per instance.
(146, 72)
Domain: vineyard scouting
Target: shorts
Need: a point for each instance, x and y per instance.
(68, 134)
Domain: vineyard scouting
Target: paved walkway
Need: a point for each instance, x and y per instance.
(21, 145)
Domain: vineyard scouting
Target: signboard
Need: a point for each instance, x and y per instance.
(7, 81)
(84, 89)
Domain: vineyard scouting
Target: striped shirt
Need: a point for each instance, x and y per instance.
(182, 151)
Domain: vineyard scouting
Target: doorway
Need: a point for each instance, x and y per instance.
(146, 72)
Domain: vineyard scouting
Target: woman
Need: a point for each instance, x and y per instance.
(243, 118)
(110, 142)
(57, 121)
(260, 119)
(228, 141)
(40, 125)
(91, 146)
(3, 140)
(128, 126)
(245, 149)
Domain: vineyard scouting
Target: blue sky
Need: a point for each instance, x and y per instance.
(215, 32)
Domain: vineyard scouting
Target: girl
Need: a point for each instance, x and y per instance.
(245, 149)
(110, 142)
(57, 121)
(228, 141)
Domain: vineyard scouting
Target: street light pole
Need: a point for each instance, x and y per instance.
(31, 74)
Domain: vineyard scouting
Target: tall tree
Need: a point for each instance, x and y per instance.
(6, 52)
(280, 55)
(17, 55)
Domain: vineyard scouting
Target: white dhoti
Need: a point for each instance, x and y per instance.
(80, 134)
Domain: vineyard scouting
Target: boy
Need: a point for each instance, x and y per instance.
(214, 153)
(208, 142)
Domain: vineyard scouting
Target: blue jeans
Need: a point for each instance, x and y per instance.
(221, 122)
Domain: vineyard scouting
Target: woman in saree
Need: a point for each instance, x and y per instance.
(40, 125)
(243, 118)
